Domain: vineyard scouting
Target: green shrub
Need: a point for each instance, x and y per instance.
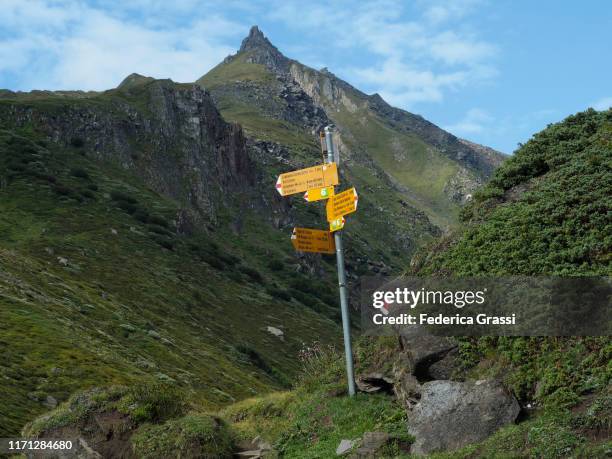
(276, 265)
(79, 173)
(141, 215)
(153, 402)
(158, 229)
(216, 263)
(157, 220)
(127, 207)
(164, 241)
(254, 357)
(192, 436)
(62, 190)
(253, 274)
(77, 142)
(122, 197)
(278, 293)
(88, 194)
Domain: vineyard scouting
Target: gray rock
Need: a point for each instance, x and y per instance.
(374, 382)
(453, 414)
(345, 447)
(153, 334)
(50, 402)
(62, 261)
(445, 367)
(371, 444)
(276, 332)
(406, 387)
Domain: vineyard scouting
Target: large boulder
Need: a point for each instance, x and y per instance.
(453, 414)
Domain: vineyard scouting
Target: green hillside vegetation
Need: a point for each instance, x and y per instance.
(546, 211)
(97, 288)
(565, 380)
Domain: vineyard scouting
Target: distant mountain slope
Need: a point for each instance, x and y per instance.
(395, 152)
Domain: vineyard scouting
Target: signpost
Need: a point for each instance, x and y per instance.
(319, 183)
(310, 178)
(312, 240)
(337, 224)
(346, 326)
(318, 194)
(341, 204)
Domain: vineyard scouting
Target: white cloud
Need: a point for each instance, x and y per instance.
(475, 121)
(64, 45)
(439, 11)
(602, 104)
(407, 59)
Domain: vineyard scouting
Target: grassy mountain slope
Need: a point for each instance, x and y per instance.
(98, 286)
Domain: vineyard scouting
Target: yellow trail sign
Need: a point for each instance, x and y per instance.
(318, 194)
(302, 180)
(341, 204)
(337, 224)
(313, 240)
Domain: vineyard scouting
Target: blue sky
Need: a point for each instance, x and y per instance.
(494, 72)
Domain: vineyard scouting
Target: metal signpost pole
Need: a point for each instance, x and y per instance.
(342, 279)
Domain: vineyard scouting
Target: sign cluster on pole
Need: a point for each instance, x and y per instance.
(318, 184)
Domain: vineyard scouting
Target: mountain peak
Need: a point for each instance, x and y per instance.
(134, 79)
(256, 40)
(261, 51)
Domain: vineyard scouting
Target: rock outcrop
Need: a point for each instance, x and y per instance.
(170, 135)
(453, 414)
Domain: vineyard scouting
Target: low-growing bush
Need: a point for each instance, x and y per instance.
(122, 197)
(158, 229)
(79, 173)
(164, 241)
(77, 142)
(153, 402)
(141, 215)
(88, 194)
(128, 207)
(278, 293)
(275, 265)
(252, 273)
(195, 435)
(157, 220)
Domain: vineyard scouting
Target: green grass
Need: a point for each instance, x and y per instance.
(310, 421)
(237, 69)
(414, 165)
(124, 307)
(195, 435)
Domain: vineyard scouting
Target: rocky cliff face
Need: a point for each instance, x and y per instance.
(171, 136)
